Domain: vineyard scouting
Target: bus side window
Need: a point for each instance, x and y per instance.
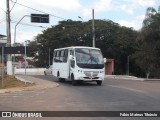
(71, 52)
(61, 56)
(72, 61)
(54, 56)
(65, 55)
(57, 56)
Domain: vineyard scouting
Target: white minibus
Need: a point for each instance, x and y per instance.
(78, 63)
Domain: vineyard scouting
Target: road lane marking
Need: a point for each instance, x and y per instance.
(134, 90)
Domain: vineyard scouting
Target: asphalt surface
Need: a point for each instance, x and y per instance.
(113, 95)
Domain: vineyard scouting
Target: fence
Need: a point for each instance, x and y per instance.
(30, 71)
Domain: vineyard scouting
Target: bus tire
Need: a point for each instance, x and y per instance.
(74, 82)
(59, 78)
(45, 73)
(62, 80)
(99, 82)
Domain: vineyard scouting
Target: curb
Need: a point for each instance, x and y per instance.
(23, 80)
(151, 79)
(124, 77)
(133, 79)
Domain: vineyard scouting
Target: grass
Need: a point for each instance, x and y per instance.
(12, 82)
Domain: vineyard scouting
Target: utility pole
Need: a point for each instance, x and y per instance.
(93, 29)
(49, 56)
(128, 65)
(8, 27)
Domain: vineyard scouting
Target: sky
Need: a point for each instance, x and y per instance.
(129, 13)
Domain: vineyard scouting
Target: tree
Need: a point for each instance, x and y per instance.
(147, 55)
(115, 41)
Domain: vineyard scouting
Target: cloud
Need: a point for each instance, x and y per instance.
(103, 5)
(3, 6)
(126, 8)
(2, 17)
(129, 6)
(2, 11)
(64, 5)
(140, 17)
(21, 35)
(135, 23)
(99, 6)
(127, 23)
(72, 9)
(60, 8)
(144, 3)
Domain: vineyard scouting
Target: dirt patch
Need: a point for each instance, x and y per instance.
(12, 82)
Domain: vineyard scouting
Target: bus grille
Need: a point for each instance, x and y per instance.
(90, 78)
(91, 73)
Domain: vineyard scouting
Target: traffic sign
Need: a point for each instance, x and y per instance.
(40, 18)
(14, 50)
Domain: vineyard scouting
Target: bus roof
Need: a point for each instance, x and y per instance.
(77, 47)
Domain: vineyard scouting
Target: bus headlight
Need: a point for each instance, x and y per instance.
(101, 72)
(80, 71)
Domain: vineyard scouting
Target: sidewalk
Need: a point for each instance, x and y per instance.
(126, 77)
(39, 84)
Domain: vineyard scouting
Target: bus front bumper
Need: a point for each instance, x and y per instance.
(83, 77)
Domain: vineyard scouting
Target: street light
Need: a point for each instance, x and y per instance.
(18, 23)
(93, 29)
(16, 27)
(80, 18)
(128, 65)
(15, 31)
(49, 56)
(15, 39)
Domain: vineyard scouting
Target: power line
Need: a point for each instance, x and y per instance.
(3, 9)
(13, 5)
(2, 20)
(38, 10)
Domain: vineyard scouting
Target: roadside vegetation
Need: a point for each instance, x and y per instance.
(12, 82)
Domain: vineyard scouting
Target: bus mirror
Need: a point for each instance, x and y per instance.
(105, 60)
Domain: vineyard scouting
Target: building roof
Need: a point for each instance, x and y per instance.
(3, 39)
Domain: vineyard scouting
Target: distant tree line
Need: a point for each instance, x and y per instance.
(142, 48)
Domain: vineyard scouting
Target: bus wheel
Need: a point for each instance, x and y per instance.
(74, 82)
(45, 73)
(99, 82)
(59, 78)
(62, 80)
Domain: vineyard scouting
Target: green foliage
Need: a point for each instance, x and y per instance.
(148, 54)
(115, 41)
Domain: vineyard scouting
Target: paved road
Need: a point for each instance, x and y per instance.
(113, 95)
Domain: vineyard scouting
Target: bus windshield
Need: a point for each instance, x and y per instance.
(89, 58)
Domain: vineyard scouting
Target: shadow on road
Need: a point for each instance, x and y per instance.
(54, 79)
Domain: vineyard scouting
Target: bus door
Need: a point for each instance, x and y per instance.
(71, 62)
